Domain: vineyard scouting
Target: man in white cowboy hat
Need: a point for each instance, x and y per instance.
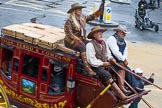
(118, 47)
(99, 57)
(75, 31)
(138, 84)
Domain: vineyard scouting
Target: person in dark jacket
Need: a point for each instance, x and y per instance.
(142, 11)
(138, 84)
(142, 2)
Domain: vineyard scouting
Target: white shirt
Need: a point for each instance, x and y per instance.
(91, 58)
(112, 44)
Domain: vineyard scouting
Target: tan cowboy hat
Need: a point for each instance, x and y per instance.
(122, 28)
(94, 30)
(75, 6)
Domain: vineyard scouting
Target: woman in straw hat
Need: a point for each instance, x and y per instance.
(99, 57)
(119, 50)
(75, 31)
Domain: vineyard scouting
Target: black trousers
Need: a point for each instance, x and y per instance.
(103, 74)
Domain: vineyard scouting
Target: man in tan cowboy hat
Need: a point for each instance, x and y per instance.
(75, 31)
(118, 47)
(99, 57)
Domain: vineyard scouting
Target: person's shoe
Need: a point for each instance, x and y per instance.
(125, 91)
(129, 92)
(119, 92)
(139, 89)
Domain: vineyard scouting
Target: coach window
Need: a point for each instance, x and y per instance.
(31, 65)
(7, 61)
(57, 78)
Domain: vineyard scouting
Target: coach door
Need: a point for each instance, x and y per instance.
(31, 63)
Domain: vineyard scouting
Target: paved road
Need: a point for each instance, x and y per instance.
(54, 13)
(145, 47)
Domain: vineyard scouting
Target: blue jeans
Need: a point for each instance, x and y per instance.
(158, 2)
(134, 104)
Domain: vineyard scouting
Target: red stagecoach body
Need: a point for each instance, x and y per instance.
(35, 72)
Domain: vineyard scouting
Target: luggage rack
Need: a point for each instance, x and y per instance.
(44, 36)
(37, 34)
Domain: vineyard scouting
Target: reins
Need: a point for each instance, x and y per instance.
(148, 104)
(127, 70)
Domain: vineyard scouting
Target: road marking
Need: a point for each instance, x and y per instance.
(38, 7)
(25, 4)
(40, 13)
(34, 6)
(10, 1)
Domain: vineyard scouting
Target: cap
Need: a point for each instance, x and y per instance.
(138, 70)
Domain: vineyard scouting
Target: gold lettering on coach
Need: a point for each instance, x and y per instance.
(29, 48)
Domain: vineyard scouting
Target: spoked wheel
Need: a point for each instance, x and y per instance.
(156, 28)
(141, 27)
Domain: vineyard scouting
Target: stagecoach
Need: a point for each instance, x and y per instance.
(37, 70)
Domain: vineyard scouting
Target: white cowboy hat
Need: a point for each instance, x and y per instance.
(138, 70)
(75, 6)
(122, 28)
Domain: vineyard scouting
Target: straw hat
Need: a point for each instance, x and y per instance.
(122, 28)
(138, 70)
(75, 6)
(94, 30)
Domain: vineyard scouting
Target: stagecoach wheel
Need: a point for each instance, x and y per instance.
(156, 28)
(141, 27)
